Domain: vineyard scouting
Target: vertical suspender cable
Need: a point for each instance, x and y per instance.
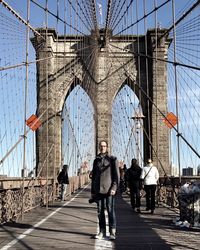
(69, 97)
(78, 160)
(176, 89)
(134, 100)
(147, 79)
(62, 124)
(127, 104)
(25, 104)
(74, 102)
(156, 82)
(79, 103)
(70, 145)
(54, 126)
(137, 123)
(47, 102)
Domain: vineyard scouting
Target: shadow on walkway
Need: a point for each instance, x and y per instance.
(134, 231)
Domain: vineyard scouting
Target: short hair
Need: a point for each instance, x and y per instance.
(134, 161)
(103, 141)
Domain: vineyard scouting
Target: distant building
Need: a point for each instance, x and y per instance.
(198, 170)
(3, 176)
(174, 170)
(187, 171)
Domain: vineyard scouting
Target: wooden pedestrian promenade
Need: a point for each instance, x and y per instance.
(71, 225)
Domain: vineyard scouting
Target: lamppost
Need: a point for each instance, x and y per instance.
(137, 117)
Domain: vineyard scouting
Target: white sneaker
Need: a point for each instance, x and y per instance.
(100, 236)
(112, 236)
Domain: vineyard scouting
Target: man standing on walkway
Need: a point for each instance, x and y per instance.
(150, 178)
(105, 180)
(134, 183)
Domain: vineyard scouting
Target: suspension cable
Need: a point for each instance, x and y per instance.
(19, 17)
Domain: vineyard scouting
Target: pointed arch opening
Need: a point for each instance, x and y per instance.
(127, 126)
(77, 131)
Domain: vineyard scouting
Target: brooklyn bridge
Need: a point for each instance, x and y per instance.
(74, 73)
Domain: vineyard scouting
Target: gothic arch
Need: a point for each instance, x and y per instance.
(101, 85)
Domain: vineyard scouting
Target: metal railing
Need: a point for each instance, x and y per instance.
(34, 194)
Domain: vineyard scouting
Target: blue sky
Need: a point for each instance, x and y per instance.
(37, 16)
(12, 48)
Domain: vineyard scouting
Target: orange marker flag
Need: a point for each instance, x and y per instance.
(33, 122)
(171, 120)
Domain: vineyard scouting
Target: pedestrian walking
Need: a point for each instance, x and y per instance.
(134, 183)
(63, 180)
(150, 176)
(122, 183)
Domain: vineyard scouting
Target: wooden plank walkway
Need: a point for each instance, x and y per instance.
(71, 225)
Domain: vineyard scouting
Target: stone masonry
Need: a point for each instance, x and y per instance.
(102, 74)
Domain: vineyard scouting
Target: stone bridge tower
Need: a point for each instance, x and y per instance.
(114, 63)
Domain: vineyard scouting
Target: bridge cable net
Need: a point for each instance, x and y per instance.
(73, 119)
(125, 18)
(187, 63)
